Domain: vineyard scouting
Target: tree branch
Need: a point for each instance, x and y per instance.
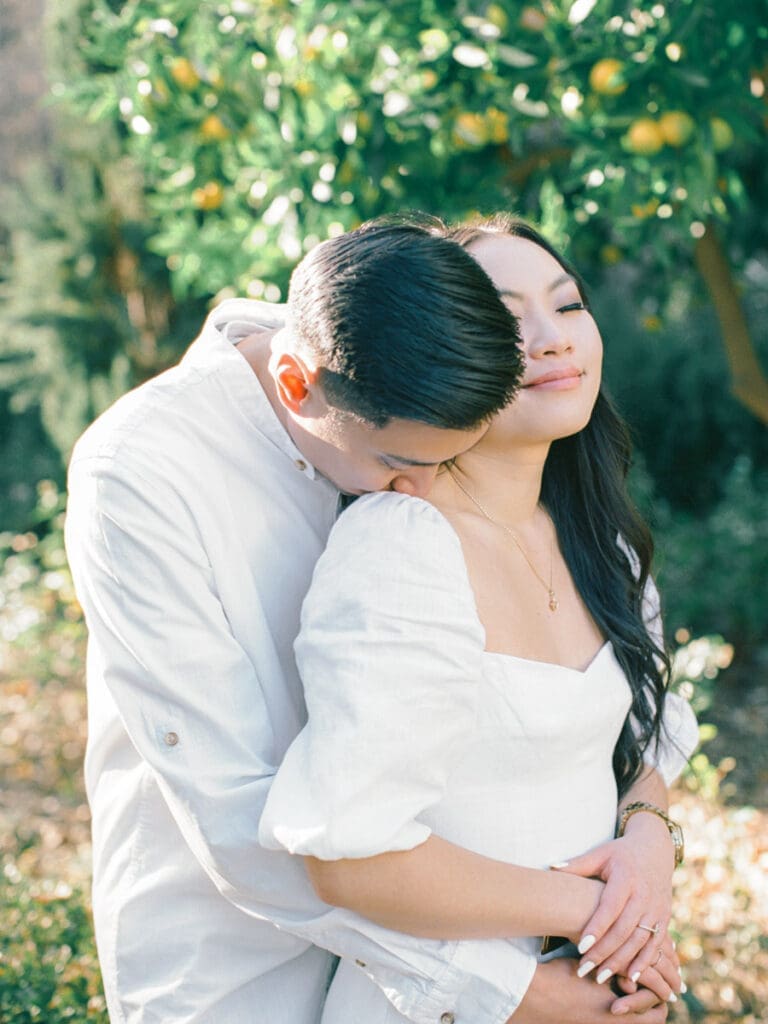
(748, 380)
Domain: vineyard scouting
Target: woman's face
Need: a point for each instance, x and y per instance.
(560, 340)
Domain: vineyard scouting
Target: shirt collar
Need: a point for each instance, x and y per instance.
(226, 325)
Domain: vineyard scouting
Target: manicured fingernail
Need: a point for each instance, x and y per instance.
(672, 998)
(604, 975)
(585, 968)
(619, 1010)
(586, 943)
(683, 988)
(635, 976)
(560, 864)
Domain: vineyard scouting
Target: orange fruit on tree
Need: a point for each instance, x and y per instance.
(606, 77)
(213, 129)
(644, 137)
(497, 125)
(722, 134)
(643, 210)
(209, 197)
(470, 130)
(183, 73)
(677, 127)
(532, 19)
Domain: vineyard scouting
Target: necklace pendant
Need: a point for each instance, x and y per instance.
(553, 602)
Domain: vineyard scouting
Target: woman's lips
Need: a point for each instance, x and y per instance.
(558, 380)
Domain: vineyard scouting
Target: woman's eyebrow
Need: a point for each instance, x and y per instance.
(562, 279)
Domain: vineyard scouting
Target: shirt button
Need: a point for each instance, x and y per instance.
(171, 739)
(447, 1018)
(301, 464)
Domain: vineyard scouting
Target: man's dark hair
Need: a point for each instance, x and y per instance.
(405, 324)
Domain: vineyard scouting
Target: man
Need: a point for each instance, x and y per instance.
(198, 506)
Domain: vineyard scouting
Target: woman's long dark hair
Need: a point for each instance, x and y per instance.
(605, 542)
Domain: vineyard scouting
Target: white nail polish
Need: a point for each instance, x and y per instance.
(586, 943)
(560, 864)
(672, 998)
(585, 968)
(635, 976)
(683, 988)
(604, 975)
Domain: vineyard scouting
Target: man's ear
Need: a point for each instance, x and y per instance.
(295, 381)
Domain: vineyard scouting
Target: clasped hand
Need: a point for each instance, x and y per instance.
(627, 938)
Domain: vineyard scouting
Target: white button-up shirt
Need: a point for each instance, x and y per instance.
(193, 528)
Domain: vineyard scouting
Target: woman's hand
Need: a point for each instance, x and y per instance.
(637, 870)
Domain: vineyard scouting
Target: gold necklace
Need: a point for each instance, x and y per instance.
(553, 602)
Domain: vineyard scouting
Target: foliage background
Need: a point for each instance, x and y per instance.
(183, 152)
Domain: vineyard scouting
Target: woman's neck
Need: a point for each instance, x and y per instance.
(503, 485)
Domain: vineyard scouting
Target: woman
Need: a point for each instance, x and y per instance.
(484, 677)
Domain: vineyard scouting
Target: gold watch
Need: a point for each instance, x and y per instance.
(674, 829)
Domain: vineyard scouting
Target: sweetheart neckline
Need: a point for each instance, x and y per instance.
(552, 664)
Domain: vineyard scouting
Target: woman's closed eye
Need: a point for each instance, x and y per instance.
(572, 307)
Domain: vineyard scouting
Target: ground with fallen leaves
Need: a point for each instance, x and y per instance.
(722, 889)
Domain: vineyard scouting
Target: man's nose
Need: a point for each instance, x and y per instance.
(417, 481)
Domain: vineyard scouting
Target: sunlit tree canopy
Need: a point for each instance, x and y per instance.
(262, 127)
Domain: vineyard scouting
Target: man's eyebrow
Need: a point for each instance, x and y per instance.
(555, 284)
(406, 462)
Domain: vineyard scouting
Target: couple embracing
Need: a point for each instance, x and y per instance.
(428, 734)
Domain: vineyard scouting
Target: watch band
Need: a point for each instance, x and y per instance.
(673, 828)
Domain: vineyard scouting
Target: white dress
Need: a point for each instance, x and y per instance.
(414, 728)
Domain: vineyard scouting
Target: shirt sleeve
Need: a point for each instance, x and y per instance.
(390, 654)
(679, 735)
(192, 705)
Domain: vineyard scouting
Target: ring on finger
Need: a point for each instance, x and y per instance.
(653, 929)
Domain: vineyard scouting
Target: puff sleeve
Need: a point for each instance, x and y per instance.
(390, 654)
(679, 729)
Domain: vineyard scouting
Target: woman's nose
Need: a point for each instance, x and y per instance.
(548, 336)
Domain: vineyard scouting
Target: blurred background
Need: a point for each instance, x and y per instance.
(159, 156)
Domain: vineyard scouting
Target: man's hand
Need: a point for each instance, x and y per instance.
(557, 994)
(637, 870)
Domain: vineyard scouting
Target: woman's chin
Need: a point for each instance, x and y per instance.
(558, 431)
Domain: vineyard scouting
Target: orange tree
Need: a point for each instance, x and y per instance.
(633, 131)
